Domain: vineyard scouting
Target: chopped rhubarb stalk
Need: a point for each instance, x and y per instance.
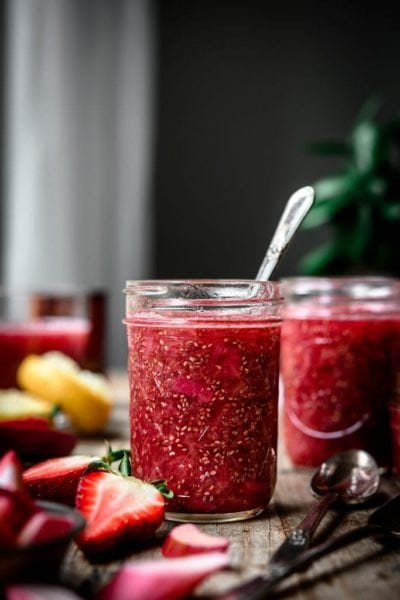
(168, 579)
(38, 592)
(15, 509)
(43, 527)
(189, 539)
(11, 472)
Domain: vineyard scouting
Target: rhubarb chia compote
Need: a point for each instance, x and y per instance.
(340, 357)
(203, 370)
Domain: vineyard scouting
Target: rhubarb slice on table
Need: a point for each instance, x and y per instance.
(11, 472)
(165, 579)
(39, 592)
(189, 539)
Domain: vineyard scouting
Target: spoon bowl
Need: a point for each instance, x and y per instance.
(352, 474)
(351, 477)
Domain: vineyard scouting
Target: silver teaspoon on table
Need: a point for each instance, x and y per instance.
(350, 477)
(385, 521)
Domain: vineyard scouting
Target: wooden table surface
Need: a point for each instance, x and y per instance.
(365, 569)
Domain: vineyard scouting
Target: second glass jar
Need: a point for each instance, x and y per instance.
(340, 359)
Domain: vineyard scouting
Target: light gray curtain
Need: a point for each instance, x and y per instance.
(79, 106)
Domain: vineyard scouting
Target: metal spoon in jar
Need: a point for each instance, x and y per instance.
(293, 215)
(351, 476)
(385, 521)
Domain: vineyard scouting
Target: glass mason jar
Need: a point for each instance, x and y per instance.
(203, 369)
(30, 325)
(340, 357)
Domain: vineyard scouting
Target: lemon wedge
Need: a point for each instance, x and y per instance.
(84, 396)
(15, 404)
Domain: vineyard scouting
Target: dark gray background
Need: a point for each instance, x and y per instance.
(243, 86)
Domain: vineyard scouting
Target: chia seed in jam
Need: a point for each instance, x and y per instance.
(203, 408)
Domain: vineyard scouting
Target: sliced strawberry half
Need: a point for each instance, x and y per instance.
(189, 539)
(57, 478)
(168, 579)
(11, 472)
(118, 510)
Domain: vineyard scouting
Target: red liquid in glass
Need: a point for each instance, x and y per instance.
(339, 377)
(203, 411)
(17, 340)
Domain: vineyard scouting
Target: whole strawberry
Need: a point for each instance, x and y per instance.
(119, 509)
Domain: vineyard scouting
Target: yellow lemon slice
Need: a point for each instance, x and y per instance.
(15, 404)
(84, 396)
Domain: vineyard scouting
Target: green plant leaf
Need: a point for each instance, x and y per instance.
(369, 110)
(340, 187)
(332, 195)
(354, 234)
(368, 145)
(391, 212)
(329, 148)
(326, 259)
(321, 214)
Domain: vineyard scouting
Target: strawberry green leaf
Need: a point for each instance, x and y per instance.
(161, 485)
(125, 465)
(99, 465)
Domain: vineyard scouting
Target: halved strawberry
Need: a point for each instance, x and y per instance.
(168, 579)
(43, 527)
(57, 478)
(11, 472)
(118, 510)
(189, 539)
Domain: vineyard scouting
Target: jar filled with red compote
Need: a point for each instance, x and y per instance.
(340, 356)
(203, 370)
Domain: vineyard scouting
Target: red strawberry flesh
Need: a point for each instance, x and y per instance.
(57, 478)
(168, 579)
(118, 510)
(189, 539)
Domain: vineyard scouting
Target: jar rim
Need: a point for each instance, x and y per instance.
(368, 288)
(207, 290)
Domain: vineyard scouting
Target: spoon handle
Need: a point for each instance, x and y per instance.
(258, 587)
(299, 539)
(294, 212)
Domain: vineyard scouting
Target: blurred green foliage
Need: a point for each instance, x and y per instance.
(360, 203)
